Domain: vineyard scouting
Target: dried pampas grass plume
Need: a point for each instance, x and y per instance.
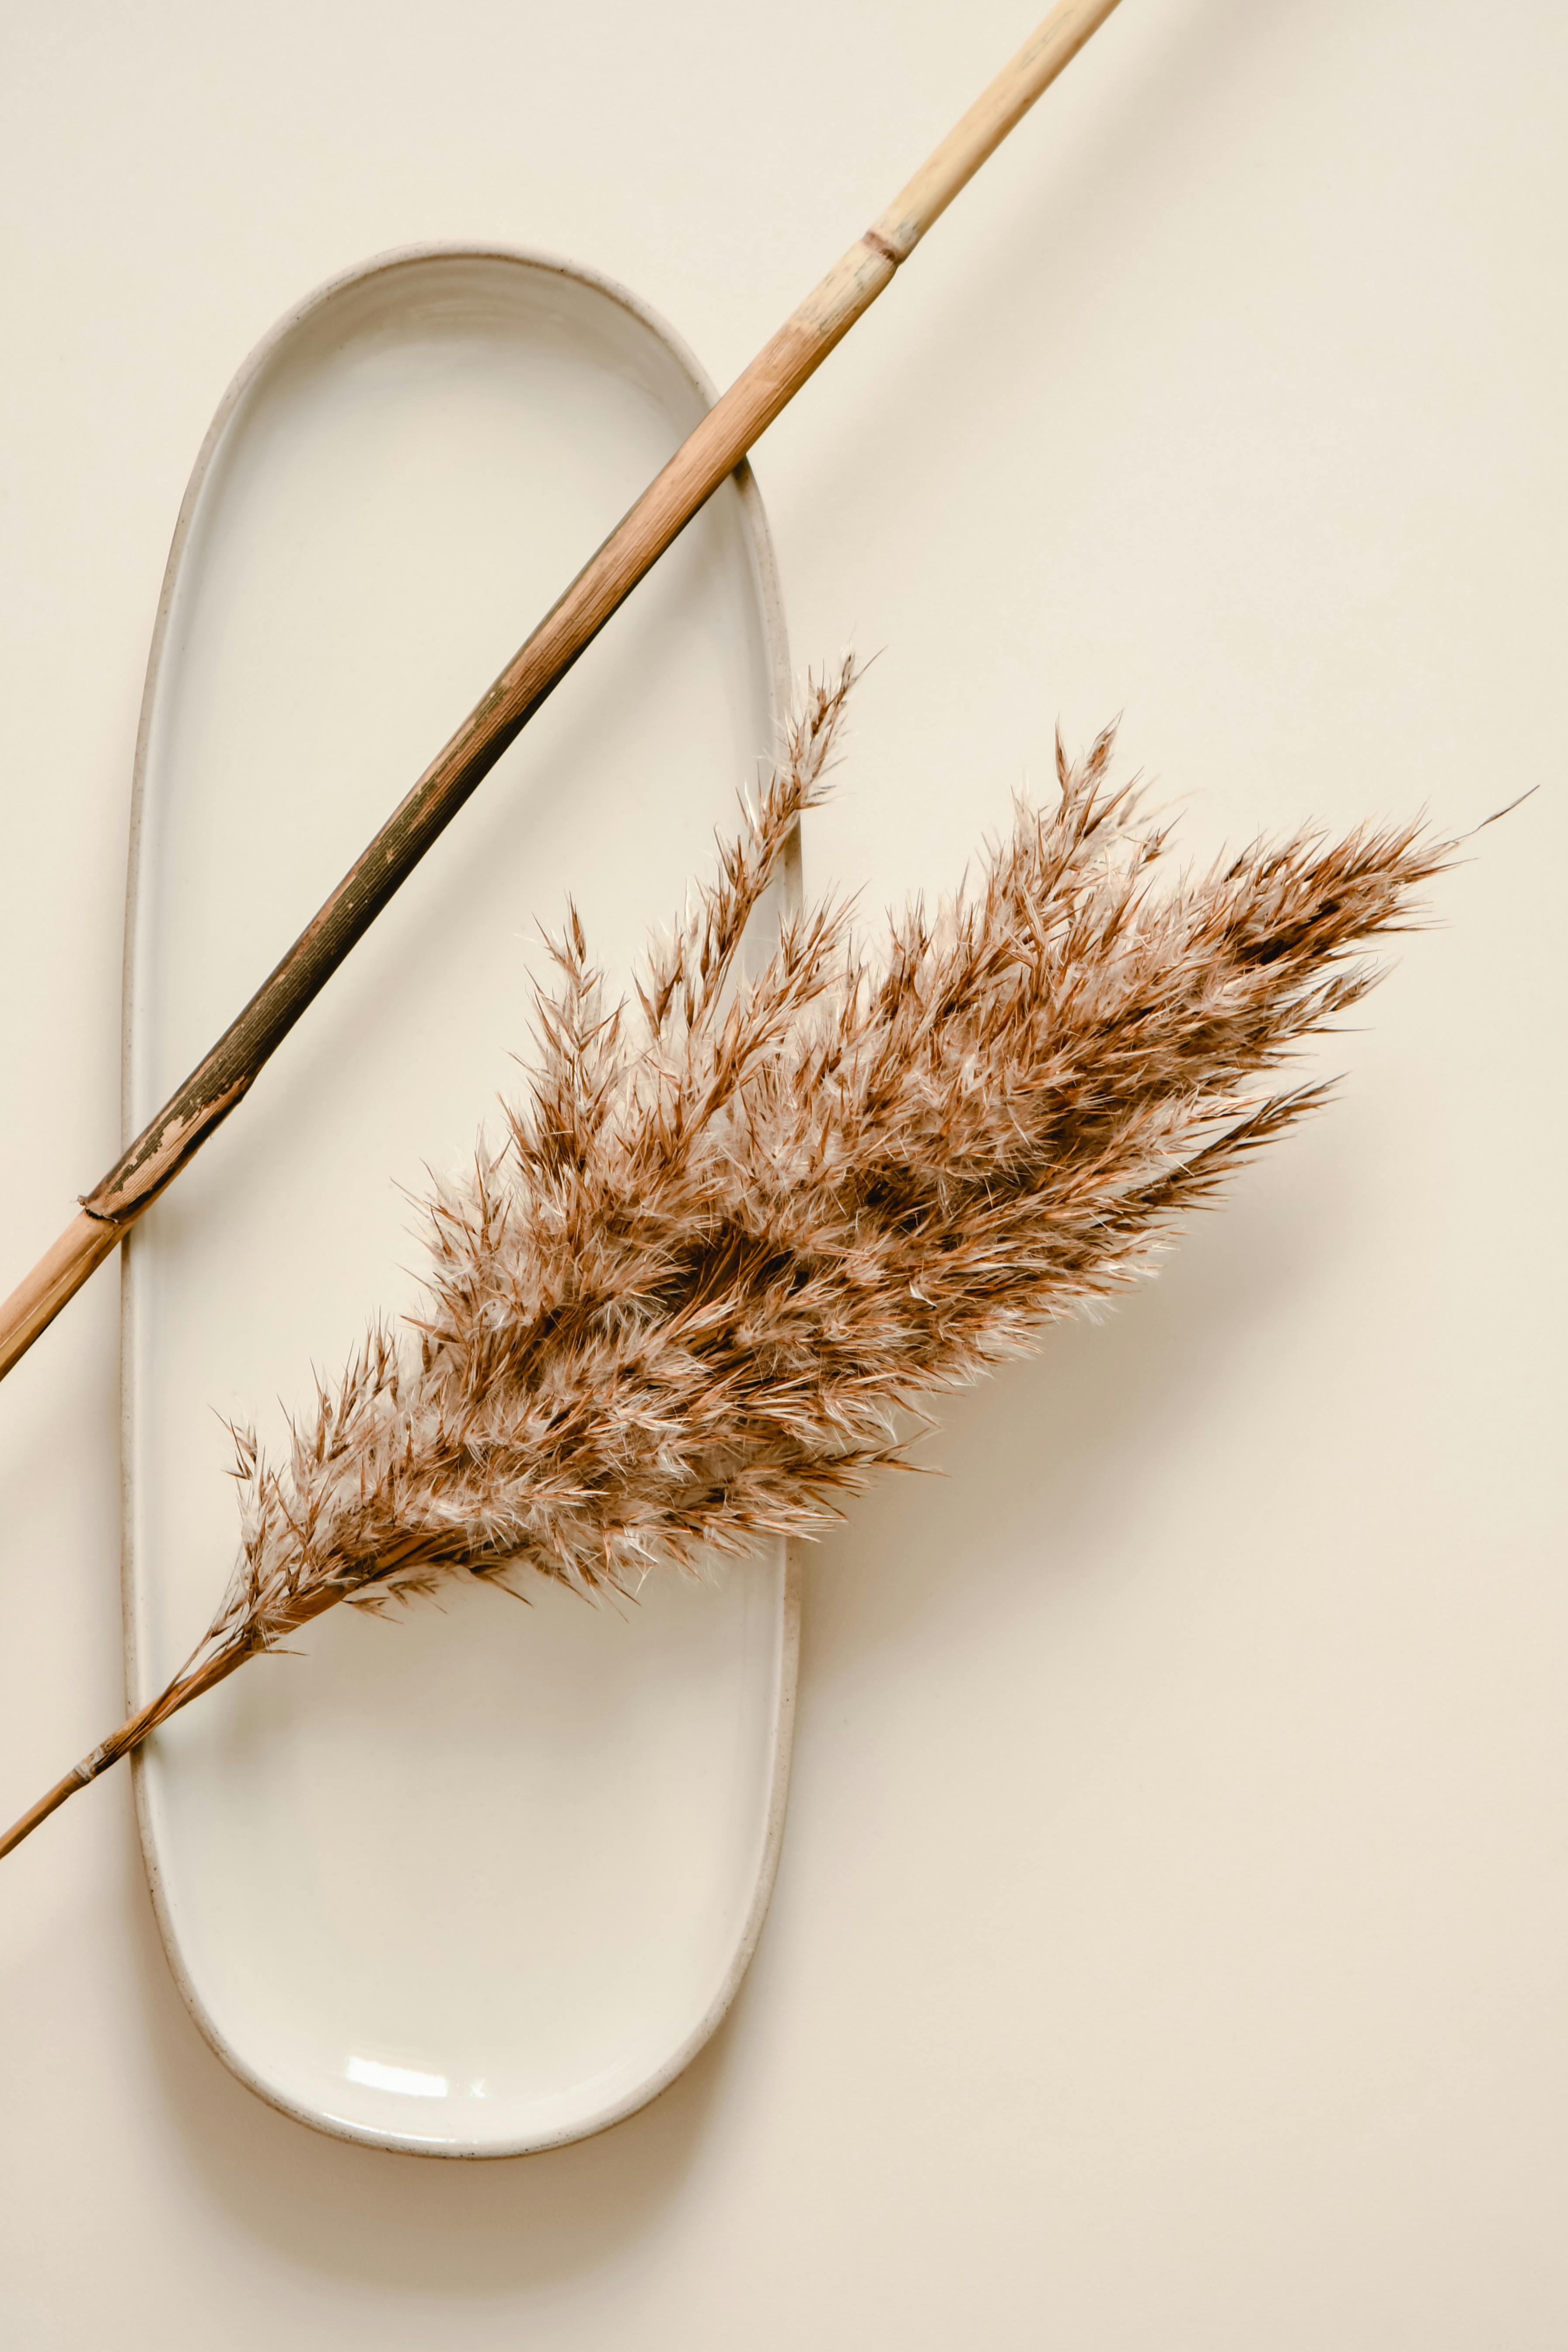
(743, 1225)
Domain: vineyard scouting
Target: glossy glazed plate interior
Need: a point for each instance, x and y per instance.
(481, 1879)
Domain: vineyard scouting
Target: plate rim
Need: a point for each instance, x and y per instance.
(759, 542)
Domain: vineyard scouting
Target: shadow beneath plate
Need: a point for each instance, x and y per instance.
(434, 2225)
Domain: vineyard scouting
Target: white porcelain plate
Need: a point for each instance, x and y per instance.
(479, 1880)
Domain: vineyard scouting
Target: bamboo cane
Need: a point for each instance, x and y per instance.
(702, 462)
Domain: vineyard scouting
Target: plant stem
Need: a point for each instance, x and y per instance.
(190, 1684)
(704, 460)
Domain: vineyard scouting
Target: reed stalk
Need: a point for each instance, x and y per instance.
(705, 459)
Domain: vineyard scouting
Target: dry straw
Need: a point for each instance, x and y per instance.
(743, 1226)
(704, 460)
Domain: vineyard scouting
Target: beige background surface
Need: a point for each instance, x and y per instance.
(1170, 1944)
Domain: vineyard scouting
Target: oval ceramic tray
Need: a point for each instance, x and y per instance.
(481, 1879)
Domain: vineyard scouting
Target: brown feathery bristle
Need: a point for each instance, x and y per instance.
(743, 1225)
